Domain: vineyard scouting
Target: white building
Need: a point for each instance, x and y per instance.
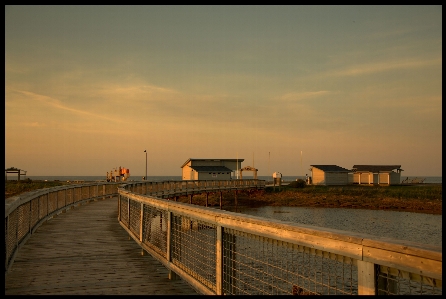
(377, 174)
(211, 169)
(329, 175)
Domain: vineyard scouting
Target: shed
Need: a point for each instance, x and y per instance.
(377, 174)
(210, 169)
(329, 175)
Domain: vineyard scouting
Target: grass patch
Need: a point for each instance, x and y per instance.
(430, 192)
(14, 188)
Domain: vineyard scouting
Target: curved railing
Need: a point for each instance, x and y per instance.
(26, 212)
(172, 189)
(221, 252)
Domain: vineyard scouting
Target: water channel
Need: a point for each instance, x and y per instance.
(414, 227)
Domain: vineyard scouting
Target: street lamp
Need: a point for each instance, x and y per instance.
(146, 165)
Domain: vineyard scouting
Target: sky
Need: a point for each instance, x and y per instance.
(89, 88)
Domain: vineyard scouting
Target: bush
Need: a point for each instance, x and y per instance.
(297, 184)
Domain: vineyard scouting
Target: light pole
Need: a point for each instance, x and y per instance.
(145, 178)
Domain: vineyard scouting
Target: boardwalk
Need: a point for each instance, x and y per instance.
(85, 251)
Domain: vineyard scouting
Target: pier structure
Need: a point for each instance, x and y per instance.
(214, 251)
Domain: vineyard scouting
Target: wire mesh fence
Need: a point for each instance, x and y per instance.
(155, 229)
(193, 248)
(255, 265)
(391, 281)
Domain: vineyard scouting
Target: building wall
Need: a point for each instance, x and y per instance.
(367, 178)
(188, 173)
(214, 176)
(395, 178)
(350, 178)
(383, 178)
(375, 178)
(336, 178)
(318, 176)
(363, 178)
(355, 178)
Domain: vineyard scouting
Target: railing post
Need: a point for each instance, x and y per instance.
(128, 212)
(141, 224)
(119, 207)
(366, 278)
(30, 215)
(219, 261)
(172, 275)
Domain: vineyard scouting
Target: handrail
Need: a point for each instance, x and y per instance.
(218, 252)
(170, 189)
(26, 212)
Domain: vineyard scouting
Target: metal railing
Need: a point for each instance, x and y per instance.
(221, 252)
(26, 212)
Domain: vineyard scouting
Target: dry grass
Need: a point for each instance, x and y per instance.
(421, 199)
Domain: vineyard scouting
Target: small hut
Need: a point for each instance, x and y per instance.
(14, 170)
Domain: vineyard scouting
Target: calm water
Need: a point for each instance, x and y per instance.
(415, 227)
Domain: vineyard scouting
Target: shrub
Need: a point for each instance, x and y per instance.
(297, 184)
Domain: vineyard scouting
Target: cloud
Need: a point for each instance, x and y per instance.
(35, 124)
(136, 91)
(299, 96)
(58, 105)
(384, 67)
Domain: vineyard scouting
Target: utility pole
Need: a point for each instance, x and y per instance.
(145, 178)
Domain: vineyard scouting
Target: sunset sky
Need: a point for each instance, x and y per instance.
(89, 88)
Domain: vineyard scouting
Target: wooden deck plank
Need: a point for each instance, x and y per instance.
(85, 251)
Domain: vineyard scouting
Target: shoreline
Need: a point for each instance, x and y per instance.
(293, 198)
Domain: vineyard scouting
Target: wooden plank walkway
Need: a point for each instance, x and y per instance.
(85, 251)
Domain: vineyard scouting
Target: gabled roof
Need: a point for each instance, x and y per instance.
(376, 168)
(192, 159)
(331, 168)
(211, 168)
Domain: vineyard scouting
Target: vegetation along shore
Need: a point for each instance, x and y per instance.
(419, 198)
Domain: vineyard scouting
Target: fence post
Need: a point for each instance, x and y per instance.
(141, 225)
(219, 261)
(172, 275)
(119, 207)
(366, 278)
(128, 213)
